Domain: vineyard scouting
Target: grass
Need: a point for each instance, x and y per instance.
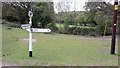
(56, 49)
(0, 45)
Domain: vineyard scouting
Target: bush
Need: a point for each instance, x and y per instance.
(82, 31)
(100, 30)
(88, 31)
(11, 24)
(72, 30)
(94, 31)
(53, 27)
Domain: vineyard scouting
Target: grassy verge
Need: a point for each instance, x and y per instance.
(57, 49)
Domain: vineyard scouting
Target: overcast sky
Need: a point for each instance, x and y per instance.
(76, 5)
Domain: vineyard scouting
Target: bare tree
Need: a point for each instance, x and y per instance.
(63, 6)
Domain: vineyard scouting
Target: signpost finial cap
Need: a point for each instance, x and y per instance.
(30, 14)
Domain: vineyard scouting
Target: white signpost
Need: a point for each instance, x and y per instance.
(38, 30)
(30, 30)
(25, 26)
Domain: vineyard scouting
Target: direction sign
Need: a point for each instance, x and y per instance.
(38, 30)
(28, 30)
(25, 26)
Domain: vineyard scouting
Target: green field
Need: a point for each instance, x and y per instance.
(55, 49)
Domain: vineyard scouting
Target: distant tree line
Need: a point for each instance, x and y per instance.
(95, 21)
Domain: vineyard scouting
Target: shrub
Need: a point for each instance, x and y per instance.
(53, 27)
(82, 31)
(100, 30)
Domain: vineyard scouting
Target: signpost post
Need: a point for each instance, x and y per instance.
(30, 14)
(29, 28)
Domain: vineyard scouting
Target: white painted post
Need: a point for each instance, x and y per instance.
(29, 28)
(30, 14)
